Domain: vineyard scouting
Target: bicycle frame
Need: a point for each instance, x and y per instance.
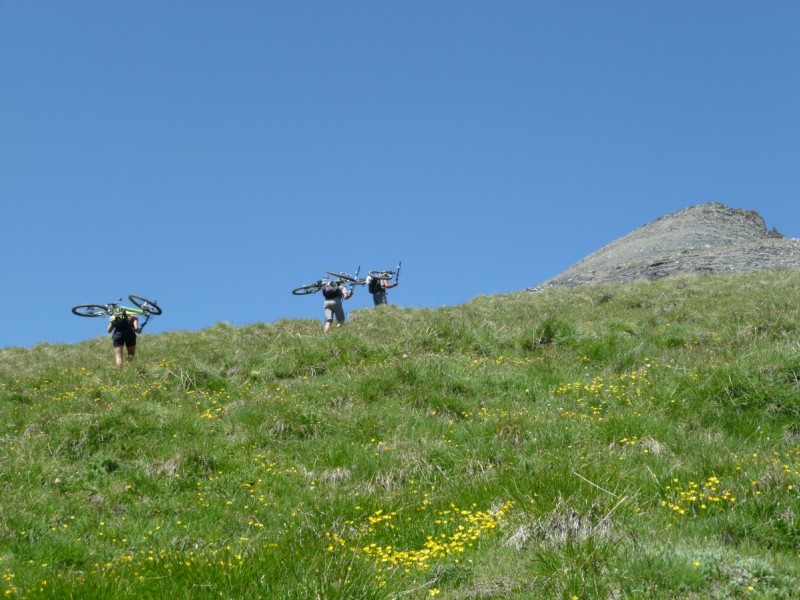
(387, 275)
(310, 288)
(132, 310)
(340, 278)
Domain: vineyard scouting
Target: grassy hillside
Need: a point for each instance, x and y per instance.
(613, 442)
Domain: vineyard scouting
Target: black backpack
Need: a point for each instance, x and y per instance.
(121, 321)
(374, 285)
(331, 290)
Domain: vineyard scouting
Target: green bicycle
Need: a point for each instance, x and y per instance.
(142, 306)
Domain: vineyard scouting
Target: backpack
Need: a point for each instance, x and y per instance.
(331, 290)
(374, 285)
(121, 320)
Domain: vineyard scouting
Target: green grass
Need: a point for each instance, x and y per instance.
(637, 441)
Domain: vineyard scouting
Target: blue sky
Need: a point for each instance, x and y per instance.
(213, 155)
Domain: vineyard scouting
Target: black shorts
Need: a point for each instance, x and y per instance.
(380, 298)
(123, 337)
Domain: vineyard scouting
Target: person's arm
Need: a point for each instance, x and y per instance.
(135, 324)
(110, 326)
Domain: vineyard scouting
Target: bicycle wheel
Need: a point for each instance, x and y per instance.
(381, 274)
(342, 276)
(148, 306)
(90, 310)
(311, 288)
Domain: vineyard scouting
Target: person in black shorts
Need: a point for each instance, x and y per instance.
(123, 328)
(377, 287)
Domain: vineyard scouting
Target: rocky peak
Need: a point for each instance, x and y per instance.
(707, 238)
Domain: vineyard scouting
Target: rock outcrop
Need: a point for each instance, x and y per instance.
(708, 238)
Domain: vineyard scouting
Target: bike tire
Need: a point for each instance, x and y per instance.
(343, 276)
(381, 274)
(148, 306)
(90, 310)
(304, 290)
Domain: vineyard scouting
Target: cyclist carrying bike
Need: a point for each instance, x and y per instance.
(377, 287)
(123, 327)
(334, 292)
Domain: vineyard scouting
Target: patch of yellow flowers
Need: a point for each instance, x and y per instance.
(696, 498)
(462, 528)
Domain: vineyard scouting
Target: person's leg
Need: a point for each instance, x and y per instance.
(118, 355)
(339, 311)
(130, 343)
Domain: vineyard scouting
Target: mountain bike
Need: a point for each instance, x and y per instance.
(311, 288)
(353, 279)
(386, 275)
(142, 306)
(339, 277)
